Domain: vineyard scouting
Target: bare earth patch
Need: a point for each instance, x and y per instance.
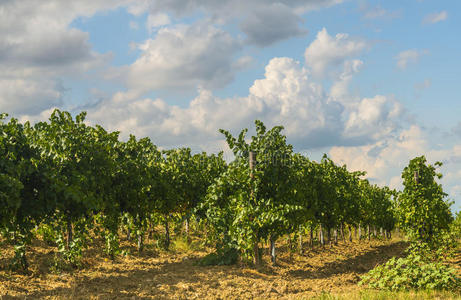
(175, 275)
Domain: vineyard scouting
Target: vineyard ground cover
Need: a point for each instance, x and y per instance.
(157, 274)
(382, 295)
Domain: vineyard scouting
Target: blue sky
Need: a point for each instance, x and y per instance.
(371, 83)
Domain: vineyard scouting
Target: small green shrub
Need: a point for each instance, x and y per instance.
(222, 258)
(19, 261)
(416, 271)
(48, 234)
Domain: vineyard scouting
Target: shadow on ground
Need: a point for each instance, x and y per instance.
(178, 277)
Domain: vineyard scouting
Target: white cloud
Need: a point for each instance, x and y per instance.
(286, 95)
(374, 118)
(35, 95)
(41, 117)
(224, 8)
(157, 20)
(339, 89)
(435, 17)
(37, 33)
(185, 56)
(408, 57)
(270, 24)
(384, 160)
(38, 46)
(326, 52)
(39, 42)
(265, 22)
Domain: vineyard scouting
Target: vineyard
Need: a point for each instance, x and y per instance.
(89, 198)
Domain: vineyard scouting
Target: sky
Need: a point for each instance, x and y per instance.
(371, 83)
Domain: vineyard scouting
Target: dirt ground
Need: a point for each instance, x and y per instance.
(158, 274)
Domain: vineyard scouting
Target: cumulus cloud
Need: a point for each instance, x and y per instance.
(184, 56)
(286, 95)
(384, 160)
(327, 52)
(374, 118)
(435, 17)
(224, 8)
(265, 22)
(38, 46)
(36, 95)
(271, 24)
(38, 33)
(339, 89)
(39, 42)
(157, 20)
(408, 57)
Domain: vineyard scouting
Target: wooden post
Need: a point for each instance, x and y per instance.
(252, 161)
(322, 241)
(273, 256)
(300, 240)
(187, 226)
(167, 232)
(128, 233)
(350, 233)
(140, 241)
(290, 245)
(341, 230)
(69, 231)
(416, 176)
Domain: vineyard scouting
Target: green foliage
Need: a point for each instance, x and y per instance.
(368, 294)
(421, 209)
(377, 207)
(72, 251)
(246, 208)
(22, 187)
(285, 192)
(225, 258)
(47, 233)
(65, 177)
(19, 261)
(424, 214)
(420, 269)
(455, 227)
